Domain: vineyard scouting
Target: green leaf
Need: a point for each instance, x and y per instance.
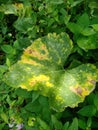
(43, 101)
(33, 107)
(57, 124)
(22, 93)
(46, 114)
(88, 32)
(75, 3)
(93, 5)
(66, 125)
(41, 68)
(24, 24)
(83, 20)
(87, 43)
(8, 63)
(8, 9)
(74, 125)
(55, 1)
(90, 99)
(89, 122)
(8, 49)
(3, 69)
(87, 111)
(75, 28)
(82, 124)
(95, 27)
(96, 100)
(1, 39)
(2, 126)
(4, 117)
(35, 95)
(43, 124)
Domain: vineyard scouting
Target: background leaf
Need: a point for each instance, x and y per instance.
(83, 20)
(87, 111)
(74, 125)
(8, 49)
(95, 26)
(87, 43)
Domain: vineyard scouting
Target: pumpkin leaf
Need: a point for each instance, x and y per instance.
(41, 68)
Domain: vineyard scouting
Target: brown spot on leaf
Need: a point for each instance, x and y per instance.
(92, 82)
(79, 90)
(30, 51)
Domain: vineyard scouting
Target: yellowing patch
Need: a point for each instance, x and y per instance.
(29, 61)
(40, 79)
(35, 50)
(59, 98)
(85, 92)
(79, 90)
(48, 84)
(18, 5)
(23, 86)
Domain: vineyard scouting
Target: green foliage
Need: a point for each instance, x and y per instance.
(21, 23)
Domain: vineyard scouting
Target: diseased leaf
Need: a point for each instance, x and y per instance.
(74, 85)
(41, 68)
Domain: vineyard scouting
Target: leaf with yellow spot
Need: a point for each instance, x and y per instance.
(41, 69)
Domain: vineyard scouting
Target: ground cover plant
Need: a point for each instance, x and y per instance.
(48, 64)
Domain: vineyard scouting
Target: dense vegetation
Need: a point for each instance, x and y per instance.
(21, 23)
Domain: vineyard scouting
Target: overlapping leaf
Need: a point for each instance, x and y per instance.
(41, 68)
